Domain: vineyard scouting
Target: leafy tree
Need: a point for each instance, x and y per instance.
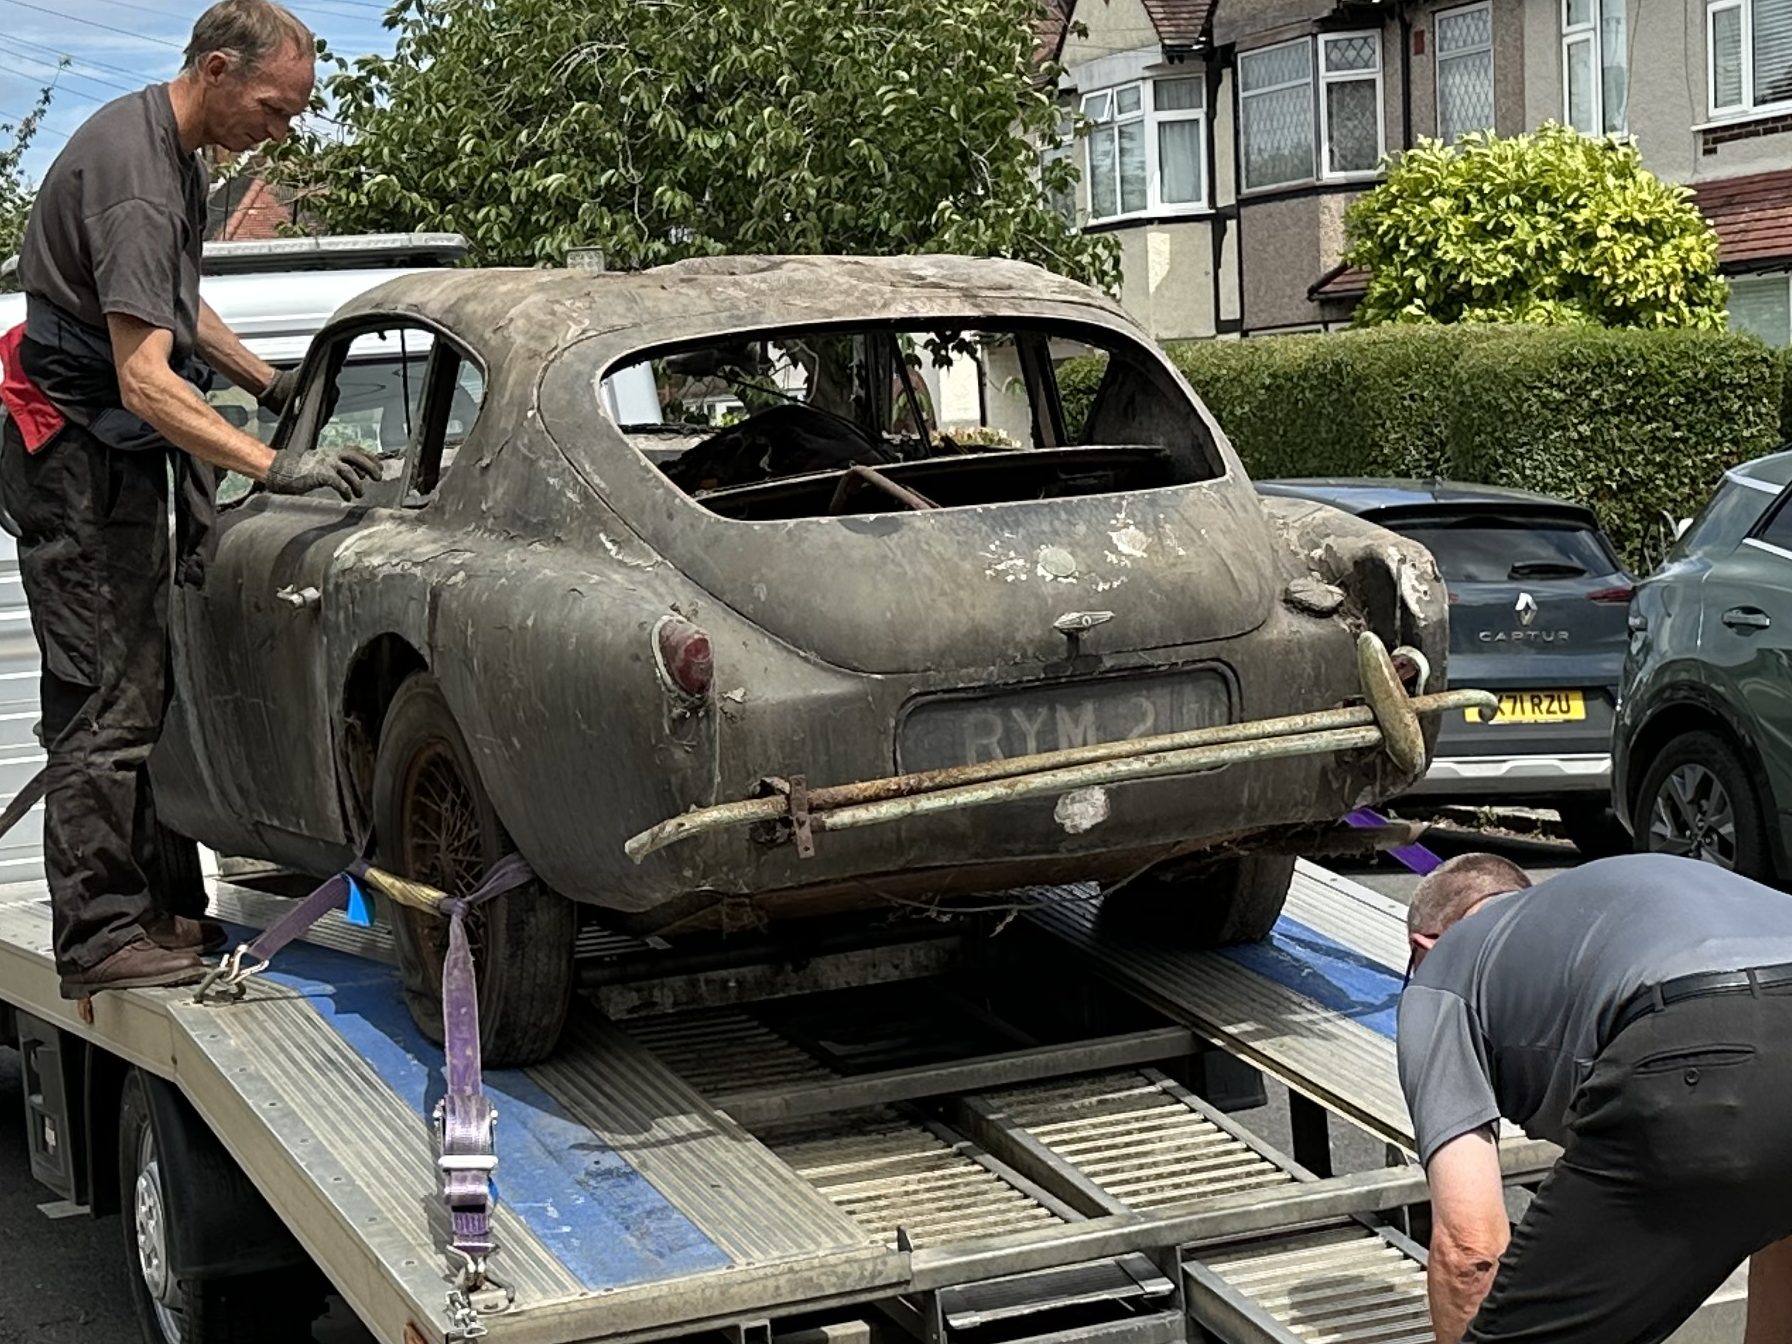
(1552, 227)
(658, 129)
(16, 192)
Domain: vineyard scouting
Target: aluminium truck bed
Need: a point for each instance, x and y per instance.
(732, 1158)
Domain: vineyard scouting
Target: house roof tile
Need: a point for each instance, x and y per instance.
(1752, 216)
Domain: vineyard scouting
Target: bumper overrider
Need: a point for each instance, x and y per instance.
(786, 811)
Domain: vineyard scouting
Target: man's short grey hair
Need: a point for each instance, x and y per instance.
(250, 30)
(1450, 891)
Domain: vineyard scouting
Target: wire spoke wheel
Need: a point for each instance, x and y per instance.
(437, 824)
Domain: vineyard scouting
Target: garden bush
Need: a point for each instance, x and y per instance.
(1632, 423)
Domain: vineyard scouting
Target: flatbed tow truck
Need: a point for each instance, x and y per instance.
(971, 1131)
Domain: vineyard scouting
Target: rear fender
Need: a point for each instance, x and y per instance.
(1377, 579)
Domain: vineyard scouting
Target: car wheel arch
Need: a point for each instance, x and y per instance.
(380, 666)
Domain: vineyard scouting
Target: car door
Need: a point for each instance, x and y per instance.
(1746, 630)
(252, 656)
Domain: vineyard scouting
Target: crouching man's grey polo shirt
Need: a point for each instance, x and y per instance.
(1509, 1010)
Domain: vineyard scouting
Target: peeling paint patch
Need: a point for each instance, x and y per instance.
(1130, 542)
(1082, 809)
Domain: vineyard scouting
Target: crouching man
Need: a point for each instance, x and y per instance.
(1638, 1012)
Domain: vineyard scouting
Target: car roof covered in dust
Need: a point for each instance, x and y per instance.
(541, 311)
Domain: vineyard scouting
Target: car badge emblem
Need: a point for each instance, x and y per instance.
(1526, 607)
(1073, 625)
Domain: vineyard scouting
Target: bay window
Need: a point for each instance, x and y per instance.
(1146, 150)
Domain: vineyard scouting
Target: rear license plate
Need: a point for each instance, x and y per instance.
(961, 730)
(1536, 707)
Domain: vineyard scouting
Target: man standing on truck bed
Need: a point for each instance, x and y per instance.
(100, 386)
(1636, 1011)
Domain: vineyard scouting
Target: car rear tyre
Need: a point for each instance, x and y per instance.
(1234, 900)
(180, 877)
(1594, 829)
(1697, 801)
(435, 823)
(275, 1307)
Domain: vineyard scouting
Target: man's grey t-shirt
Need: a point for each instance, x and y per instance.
(1507, 1013)
(119, 222)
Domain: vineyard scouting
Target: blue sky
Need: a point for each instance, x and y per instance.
(115, 46)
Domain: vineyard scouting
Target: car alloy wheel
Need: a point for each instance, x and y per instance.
(1694, 816)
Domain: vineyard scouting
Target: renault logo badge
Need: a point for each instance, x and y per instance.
(1526, 607)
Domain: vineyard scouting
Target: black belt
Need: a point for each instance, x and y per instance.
(1704, 985)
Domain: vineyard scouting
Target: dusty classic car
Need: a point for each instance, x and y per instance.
(757, 526)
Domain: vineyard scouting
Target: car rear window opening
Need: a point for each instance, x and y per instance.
(872, 419)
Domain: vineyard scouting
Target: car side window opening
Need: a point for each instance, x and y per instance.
(1776, 529)
(456, 392)
(877, 419)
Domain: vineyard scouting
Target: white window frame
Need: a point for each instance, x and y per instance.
(1574, 35)
(1243, 121)
(1155, 206)
(1324, 147)
(1437, 82)
(1746, 28)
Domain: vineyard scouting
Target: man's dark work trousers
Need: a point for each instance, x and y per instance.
(1678, 1166)
(94, 559)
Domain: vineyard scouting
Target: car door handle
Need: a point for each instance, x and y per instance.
(301, 598)
(1747, 618)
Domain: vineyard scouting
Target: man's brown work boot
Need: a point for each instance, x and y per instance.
(139, 964)
(180, 934)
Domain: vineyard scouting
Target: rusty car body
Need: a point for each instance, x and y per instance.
(542, 631)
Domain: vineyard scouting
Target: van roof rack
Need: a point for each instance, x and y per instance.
(334, 252)
(330, 253)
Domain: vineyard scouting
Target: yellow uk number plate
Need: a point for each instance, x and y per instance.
(1536, 707)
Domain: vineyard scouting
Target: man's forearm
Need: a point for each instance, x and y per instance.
(1456, 1286)
(226, 353)
(180, 415)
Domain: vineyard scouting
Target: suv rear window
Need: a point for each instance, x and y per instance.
(1490, 550)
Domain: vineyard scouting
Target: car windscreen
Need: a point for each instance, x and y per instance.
(1503, 550)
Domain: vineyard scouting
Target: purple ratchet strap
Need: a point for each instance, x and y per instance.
(1416, 857)
(465, 1118)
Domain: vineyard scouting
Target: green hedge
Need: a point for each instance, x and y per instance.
(1633, 423)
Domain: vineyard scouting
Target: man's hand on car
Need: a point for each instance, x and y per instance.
(295, 471)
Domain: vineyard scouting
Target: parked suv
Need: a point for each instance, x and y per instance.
(1537, 605)
(1701, 757)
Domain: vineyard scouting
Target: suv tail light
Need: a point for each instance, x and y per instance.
(1618, 596)
(686, 661)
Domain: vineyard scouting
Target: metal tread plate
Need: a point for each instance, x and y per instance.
(879, 1167)
(887, 1172)
(1135, 1138)
(1309, 1010)
(1342, 1285)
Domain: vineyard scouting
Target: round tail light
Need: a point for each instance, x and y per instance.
(686, 661)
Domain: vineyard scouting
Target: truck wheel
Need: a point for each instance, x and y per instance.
(276, 1307)
(434, 822)
(1234, 900)
(1697, 801)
